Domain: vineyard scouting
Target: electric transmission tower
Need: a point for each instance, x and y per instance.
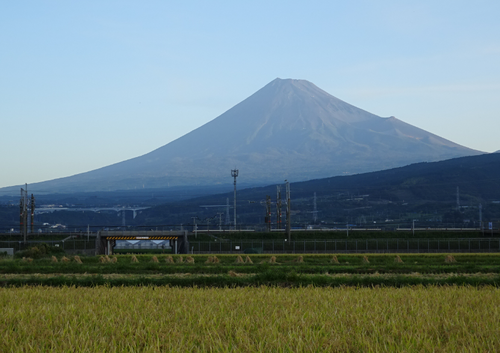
(26, 209)
(23, 214)
(268, 213)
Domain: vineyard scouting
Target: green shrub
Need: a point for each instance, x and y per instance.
(39, 251)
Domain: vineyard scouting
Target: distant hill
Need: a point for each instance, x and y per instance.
(289, 129)
(417, 188)
(424, 191)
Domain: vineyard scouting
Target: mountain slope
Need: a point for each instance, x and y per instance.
(288, 129)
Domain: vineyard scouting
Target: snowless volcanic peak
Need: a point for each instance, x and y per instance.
(289, 129)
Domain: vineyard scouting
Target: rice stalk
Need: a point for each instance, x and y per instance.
(154, 259)
(398, 260)
(190, 260)
(334, 260)
(65, 259)
(169, 260)
(134, 259)
(248, 260)
(54, 259)
(239, 260)
(77, 259)
(365, 260)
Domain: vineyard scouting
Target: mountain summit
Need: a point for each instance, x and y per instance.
(288, 129)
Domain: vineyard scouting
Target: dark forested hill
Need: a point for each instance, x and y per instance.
(422, 188)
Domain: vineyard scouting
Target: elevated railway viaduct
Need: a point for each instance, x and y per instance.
(106, 240)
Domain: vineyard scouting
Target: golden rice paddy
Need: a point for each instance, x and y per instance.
(249, 319)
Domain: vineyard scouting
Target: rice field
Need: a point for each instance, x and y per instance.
(326, 270)
(249, 319)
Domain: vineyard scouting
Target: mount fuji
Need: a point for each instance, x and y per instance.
(289, 129)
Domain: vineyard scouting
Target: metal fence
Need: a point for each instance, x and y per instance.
(70, 246)
(79, 246)
(350, 246)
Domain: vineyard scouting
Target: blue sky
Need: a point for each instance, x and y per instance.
(91, 83)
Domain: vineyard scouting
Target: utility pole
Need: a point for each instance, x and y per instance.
(234, 174)
(220, 220)
(288, 212)
(228, 217)
(32, 212)
(195, 228)
(315, 209)
(481, 216)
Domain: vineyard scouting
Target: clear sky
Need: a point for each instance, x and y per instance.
(85, 84)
